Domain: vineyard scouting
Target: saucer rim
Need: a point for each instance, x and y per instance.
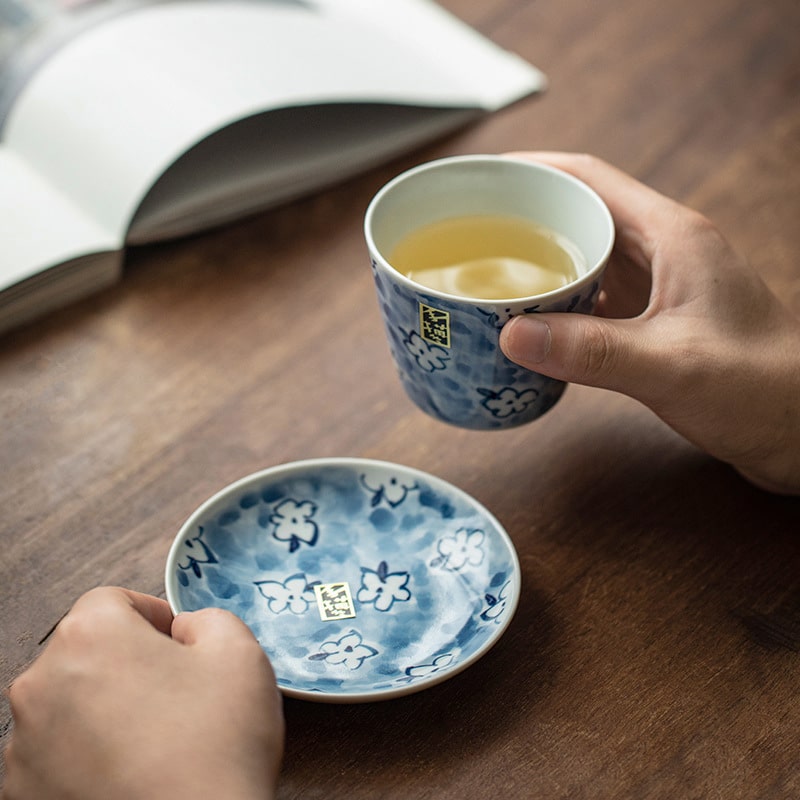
(225, 494)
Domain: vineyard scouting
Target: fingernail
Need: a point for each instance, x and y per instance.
(528, 340)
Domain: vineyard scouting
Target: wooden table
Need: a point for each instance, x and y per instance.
(656, 650)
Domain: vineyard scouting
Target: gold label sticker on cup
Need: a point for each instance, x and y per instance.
(334, 601)
(434, 325)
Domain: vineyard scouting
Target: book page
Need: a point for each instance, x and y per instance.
(32, 30)
(132, 94)
(40, 227)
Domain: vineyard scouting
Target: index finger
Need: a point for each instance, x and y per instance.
(152, 609)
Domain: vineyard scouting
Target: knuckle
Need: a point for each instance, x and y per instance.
(585, 164)
(595, 354)
(19, 691)
(24, 694)
(587, 159)
(76, 628)
(88, 621)
(700, 229)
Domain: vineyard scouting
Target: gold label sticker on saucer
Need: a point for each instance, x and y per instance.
(334, 601)
(434, 325)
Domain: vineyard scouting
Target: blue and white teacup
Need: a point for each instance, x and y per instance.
(446, 348)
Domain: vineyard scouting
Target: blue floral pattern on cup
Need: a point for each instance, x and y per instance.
(507, 401)
(429, 357)
(432, 577)
(467, 381)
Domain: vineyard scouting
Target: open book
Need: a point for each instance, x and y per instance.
(129, 122)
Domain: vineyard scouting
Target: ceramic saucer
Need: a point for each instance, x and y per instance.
(362, 580)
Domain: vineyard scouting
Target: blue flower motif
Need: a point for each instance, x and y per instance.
(294, 594)
(349, 650)
(507, 401)
(464, 548)
(496, 605)
(424, 670)
(383, 588)
(429, 356)
(393, 491)
(200, 554)
(498, 320)
(293, 523)
(584, 304)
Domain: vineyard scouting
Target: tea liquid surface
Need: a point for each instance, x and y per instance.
(487, 257)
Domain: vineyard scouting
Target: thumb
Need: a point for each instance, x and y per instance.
(594, 351)
(210, 626)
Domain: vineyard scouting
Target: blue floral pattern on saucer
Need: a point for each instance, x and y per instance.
(362, 580)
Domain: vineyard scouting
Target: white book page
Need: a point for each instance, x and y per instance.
(442, 51)
(109, 112)
(40, 227)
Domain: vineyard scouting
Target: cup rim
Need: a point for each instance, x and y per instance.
(545, 297)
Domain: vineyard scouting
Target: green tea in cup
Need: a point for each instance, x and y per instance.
(488, 256)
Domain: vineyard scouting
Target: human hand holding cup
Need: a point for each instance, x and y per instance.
(461, 245)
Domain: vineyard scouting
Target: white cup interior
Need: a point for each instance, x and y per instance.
(490, 185)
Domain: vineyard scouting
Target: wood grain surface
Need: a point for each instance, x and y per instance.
(656, 649)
